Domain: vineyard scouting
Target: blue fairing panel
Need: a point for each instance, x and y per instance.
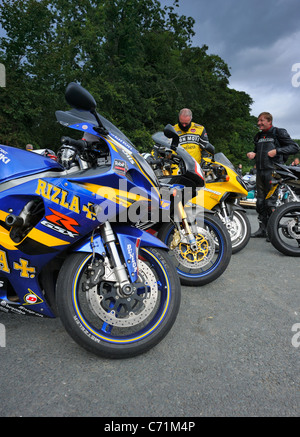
(146, 238)
(16, 163)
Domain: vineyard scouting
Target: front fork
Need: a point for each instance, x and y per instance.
(109, 238)
(223, 214)
(182, 216)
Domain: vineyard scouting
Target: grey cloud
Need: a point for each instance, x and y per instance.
(259, 40)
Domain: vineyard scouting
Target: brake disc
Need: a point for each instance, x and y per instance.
(201, 256)
(233, 226)
(292, 224)
(106, 303)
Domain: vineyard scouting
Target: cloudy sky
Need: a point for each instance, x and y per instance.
(260, 42)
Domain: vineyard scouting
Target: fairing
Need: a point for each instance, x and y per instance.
(17, 163)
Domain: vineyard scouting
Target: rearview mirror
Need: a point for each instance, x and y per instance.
(80, 98)
(170, 132)
(210, 149)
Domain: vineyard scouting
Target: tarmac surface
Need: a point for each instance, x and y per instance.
(233, 352)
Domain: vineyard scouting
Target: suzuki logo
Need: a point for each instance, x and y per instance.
(62, 220)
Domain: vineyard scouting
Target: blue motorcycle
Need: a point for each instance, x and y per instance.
(69, 244)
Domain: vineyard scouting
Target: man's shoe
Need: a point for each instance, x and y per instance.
(260, 233)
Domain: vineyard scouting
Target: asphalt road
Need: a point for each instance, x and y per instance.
(231, 352)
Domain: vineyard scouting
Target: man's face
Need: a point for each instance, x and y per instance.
(184, 120)
(263, 123)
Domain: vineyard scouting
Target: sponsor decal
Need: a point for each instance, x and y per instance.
(189, 139)
(58, 196)
(121, 141)
(212, 191)
(66, 200)
(61, 223)
(3, 157)
(26, 271)
(31, 298)
(130, 250)
(265, 140)
(7, 307)
(120, 166)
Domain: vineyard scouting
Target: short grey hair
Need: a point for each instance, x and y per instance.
(186, 112)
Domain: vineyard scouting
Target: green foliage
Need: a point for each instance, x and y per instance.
(134, 56)
(292, 157)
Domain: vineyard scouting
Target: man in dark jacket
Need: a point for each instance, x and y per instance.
(272, 145)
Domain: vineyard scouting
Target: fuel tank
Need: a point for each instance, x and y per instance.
(17, 163)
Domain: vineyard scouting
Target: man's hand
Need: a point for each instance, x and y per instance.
(251, 155)
(272, 153)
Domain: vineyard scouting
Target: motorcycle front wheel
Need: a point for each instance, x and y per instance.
(284, 229)
(239, 230)
(212, 256)
(108, 324)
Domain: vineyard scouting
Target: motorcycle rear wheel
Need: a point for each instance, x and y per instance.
(284, 229)
(112, 326)
(213, 254)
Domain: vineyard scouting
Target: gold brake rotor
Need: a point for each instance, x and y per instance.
(198, 255)
(195, 259)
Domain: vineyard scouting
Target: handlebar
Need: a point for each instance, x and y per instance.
(83, 154)
(71, 150)
(153, 161)
(80, 145)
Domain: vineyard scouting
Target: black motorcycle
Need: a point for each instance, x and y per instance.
(284, 223)
(199, 242)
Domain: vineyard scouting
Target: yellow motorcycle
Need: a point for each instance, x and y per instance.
(222, 191)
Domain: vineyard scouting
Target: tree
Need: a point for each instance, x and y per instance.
(134, 56)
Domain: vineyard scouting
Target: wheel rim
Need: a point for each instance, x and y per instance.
(195, 259)
(288, 226)
(237, 229)
(114, 325)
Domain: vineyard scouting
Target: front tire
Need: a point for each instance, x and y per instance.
(110, 326)
(213, 254)
(239, 229)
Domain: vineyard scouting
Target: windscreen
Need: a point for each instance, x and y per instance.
(75, 116)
